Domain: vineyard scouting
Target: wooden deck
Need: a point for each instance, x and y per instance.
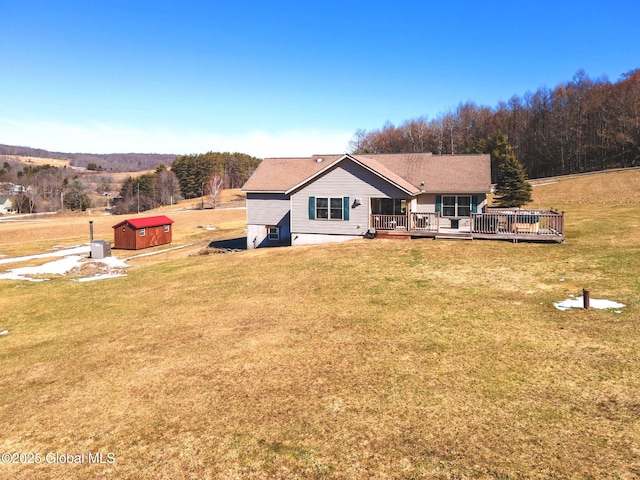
(508, 225)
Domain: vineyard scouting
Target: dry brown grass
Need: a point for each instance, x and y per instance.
(611, 188)
(369, 359)
(40, 161)
(119, 177)
(26, 236)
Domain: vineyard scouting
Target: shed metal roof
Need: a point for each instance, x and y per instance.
(146, 222)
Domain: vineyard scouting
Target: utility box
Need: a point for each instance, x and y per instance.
(100, 249)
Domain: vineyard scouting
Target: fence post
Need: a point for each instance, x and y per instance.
(90, 236)
(586, 298)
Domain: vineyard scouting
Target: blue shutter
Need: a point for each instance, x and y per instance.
(345, 208)
(312, 208)
(474, 204)
(438, 203)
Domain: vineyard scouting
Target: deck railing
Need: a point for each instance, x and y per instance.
(517, 222)
(425, 221)
(503, 224)
(389, 222)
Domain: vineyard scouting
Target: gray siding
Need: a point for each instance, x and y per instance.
(257, 235)
(426, 203)
(266, 208)
(346, 180)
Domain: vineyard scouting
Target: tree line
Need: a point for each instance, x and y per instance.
(579, 126)
(190, 176)
(195, 172)
(112, 162)
(42, 188)
(147, 191)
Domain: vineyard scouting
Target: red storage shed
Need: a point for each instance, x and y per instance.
(137, 233)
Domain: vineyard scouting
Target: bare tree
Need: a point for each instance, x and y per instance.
(169, 187)
(104, 185)
(20, 199)
(214, 186)
(361, 142)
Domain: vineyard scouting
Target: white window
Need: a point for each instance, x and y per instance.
(329, 208)
(166, 229)
(143, 232)
(456, 205)
(273, 233)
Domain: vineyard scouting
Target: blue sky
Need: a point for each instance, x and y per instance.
(282, 78)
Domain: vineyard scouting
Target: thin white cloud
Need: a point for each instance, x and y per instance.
(102, 138)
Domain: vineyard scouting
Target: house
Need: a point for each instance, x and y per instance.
(329, 198)
(6, 206)
(137, 233)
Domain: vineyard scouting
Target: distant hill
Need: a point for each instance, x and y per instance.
(113, 162)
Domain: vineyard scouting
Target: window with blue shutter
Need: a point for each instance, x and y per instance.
(312, 208)
(329, 208)
(474, 204)
(455, 205)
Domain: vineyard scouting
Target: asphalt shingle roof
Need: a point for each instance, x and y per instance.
(414, 172)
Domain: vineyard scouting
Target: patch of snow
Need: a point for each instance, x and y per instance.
(57, 267)
(59, 253)
(100, 277)
(593, 303)
(113, 262)
(60, 267)
(4, 332)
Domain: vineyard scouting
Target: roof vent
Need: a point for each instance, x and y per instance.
(319, 159)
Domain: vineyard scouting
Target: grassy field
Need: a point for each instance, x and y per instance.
(37, 161)
(26, 236)
(368, 359)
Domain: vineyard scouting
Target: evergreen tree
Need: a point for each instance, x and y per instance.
(195, 171)
(512, 189)
(138, 193)
(499, 149)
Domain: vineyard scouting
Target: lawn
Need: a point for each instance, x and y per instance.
(367, 359)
